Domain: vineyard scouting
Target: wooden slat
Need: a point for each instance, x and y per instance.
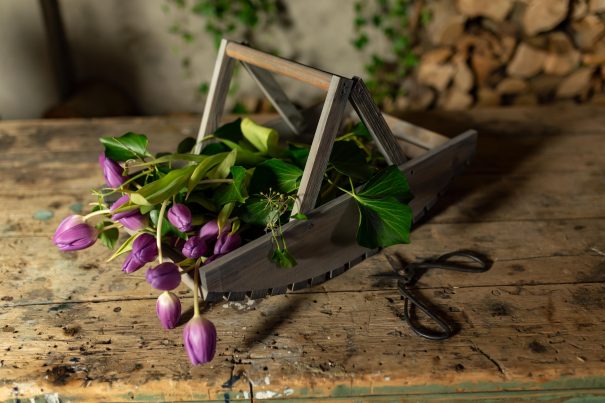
(372, 118)
(217, 93)
(278, 98)
(321, 147)
(288, 68)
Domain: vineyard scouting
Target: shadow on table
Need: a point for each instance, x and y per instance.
(503, 145)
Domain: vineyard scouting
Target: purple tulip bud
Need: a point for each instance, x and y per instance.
(74, 234)
(164, 276)
(132, 263)
(212, 259)
(135, 222)
(179, 215)
(119, 203)
(196, 247)
(145, 248)
(112, 171)
(199, 337)
(209, 230)
(168, 309)
(227, 242)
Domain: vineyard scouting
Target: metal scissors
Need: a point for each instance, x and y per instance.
(407, 275)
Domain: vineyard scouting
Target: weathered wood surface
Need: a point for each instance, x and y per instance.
(531, 327)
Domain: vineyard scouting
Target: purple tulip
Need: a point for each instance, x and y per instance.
(168, 309)
(227, 242)
(132, 264)
(179, 215)
(199, 337)
(119, 203)
(164, 276)
(209, 230)
(112, 171)
(74, 234)
(145, 248)
(196, 247)
(135, 222)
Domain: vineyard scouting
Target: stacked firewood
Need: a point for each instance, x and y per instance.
(505, 52)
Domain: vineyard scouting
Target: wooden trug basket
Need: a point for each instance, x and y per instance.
(324, 245)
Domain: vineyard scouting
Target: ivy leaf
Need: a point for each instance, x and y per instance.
(298, 154)
(360, 130)
(390, 182)
(384, 217)
(231, 131)
(130, 145)
(232, 192)
(283, 258)
(348, 159)
(109, 237)
(383, 222)
(258, 212)
(164, 188)
(186, 145)
(286, 176)
(264, 139)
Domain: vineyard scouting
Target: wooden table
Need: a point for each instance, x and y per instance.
(78, 329)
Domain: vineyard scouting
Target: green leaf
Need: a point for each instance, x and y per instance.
(300, 217)
(383, 222)
(125, 247)
(258, 212)
(109, 237)
(361, 130)
(186, 145)
(264, 139)
(230, 131)
(298, 154)
(214, 148)
(130, 145)
(164, 188)
(245, 156)
(348, 159)
(232, 192)
(283, 258)
(224, 215)
(203, 201)
(166, 226)
(390, 182)
(287, 176)
(222, 170)
(202, 168)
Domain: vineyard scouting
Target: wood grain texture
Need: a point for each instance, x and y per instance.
(372, 118)
(328, 126)
(278, 98)
(310, 75)
(531, 327)
(217, 94)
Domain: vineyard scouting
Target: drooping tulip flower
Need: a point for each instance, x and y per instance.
(74, 234)
(199, 338)
(227, 242)
(168, 309)
(209, 230)
(196, 247)
(164, 276)
(144, 250)
(112, 171)
(131, 219)
(179, 215)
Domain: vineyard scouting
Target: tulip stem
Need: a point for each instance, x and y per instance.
(95, 213)
(196, 285)
(158, 236)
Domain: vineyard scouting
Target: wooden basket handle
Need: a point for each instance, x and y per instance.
(310, 75)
